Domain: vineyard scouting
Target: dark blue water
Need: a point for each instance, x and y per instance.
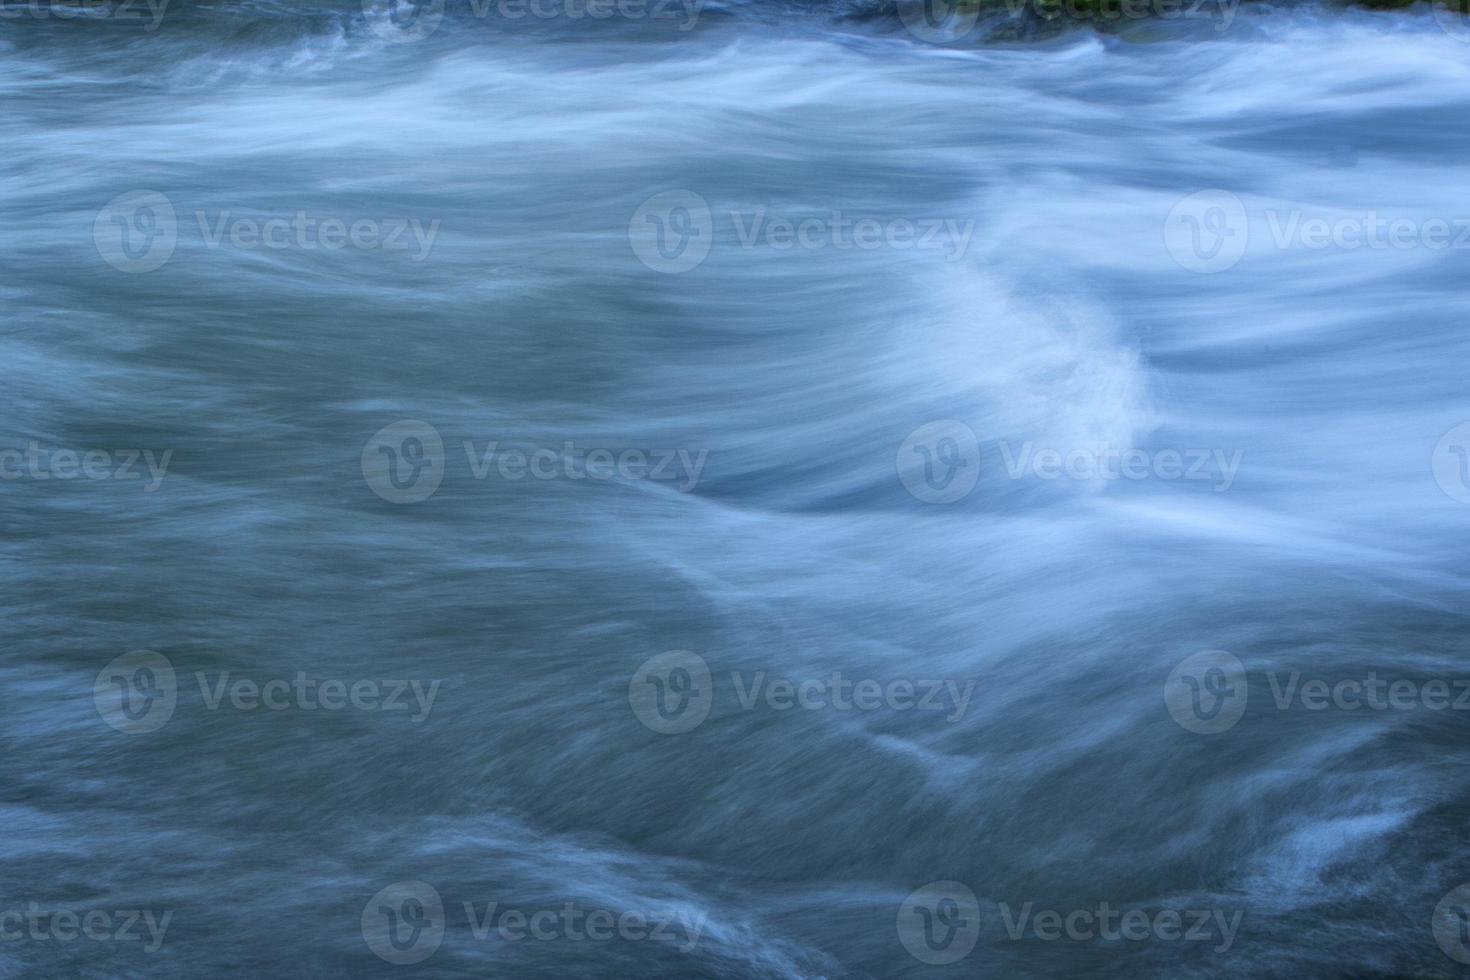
(754, 491)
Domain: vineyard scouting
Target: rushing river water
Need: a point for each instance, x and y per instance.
(744, 492)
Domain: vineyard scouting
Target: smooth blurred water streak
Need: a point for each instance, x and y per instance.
(1123, 258)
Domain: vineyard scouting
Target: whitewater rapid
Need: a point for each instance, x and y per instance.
(1098, 250)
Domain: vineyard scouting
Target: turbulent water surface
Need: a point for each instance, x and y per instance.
(757, 493)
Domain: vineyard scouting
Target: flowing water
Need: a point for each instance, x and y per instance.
(753, 471)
